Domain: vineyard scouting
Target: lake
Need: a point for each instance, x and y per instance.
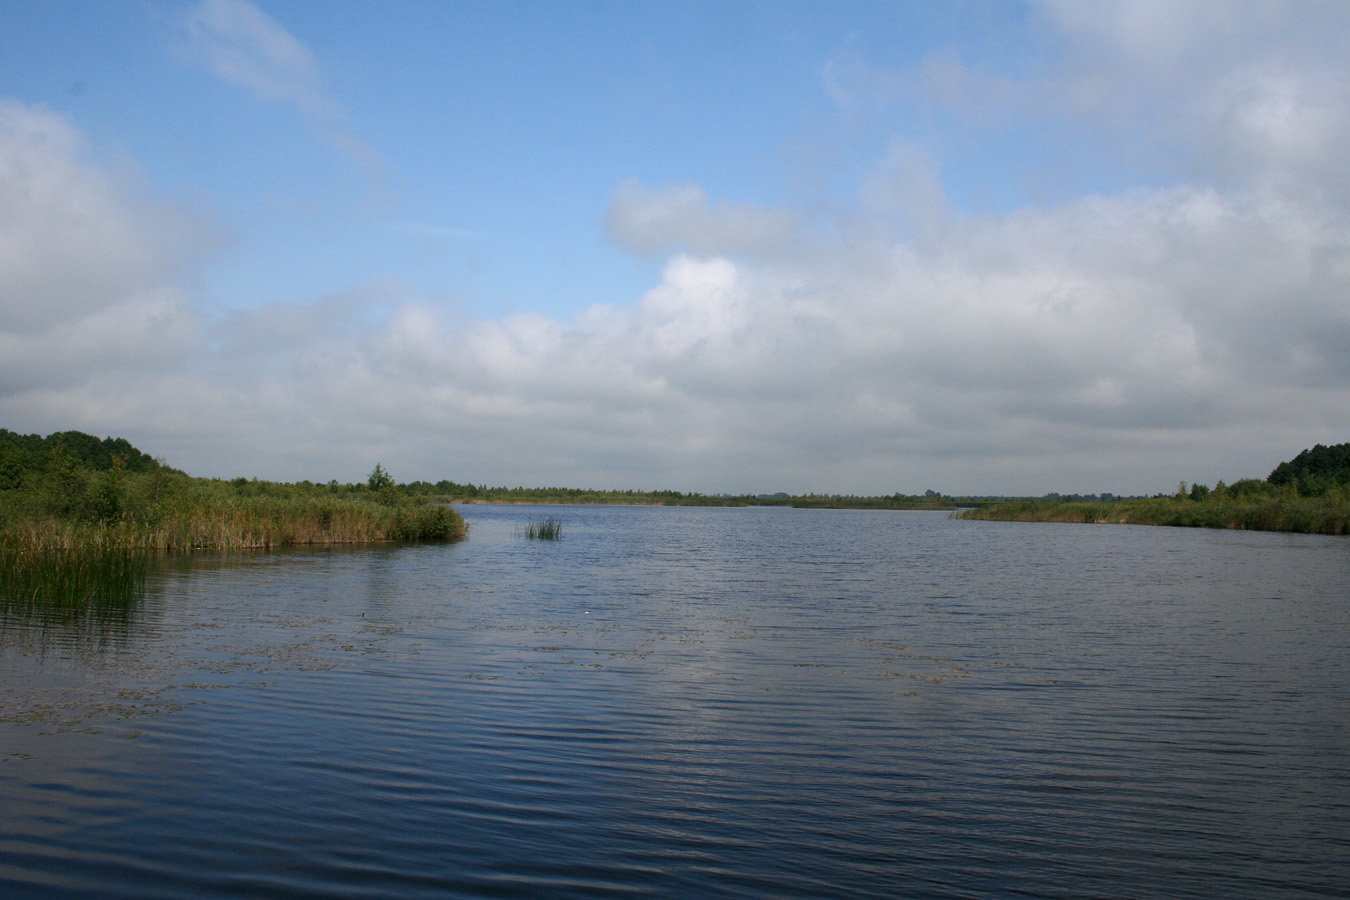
(679, 702)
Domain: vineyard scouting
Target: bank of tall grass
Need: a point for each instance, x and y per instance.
(1254, 510)
(166, 511)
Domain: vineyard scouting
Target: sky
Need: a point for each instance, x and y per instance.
(971, 247)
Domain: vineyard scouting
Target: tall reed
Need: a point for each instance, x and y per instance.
(91, 593)
(547, 529)
(198, 514)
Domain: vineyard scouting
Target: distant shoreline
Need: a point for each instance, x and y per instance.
(1285, 512)
(72, 491)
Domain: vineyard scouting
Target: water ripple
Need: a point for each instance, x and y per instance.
(711, 703)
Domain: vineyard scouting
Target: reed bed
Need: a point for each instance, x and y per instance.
(253, 526)
(195, 514)
(86, 573)
(1284, 512)
(54, 588)
(547, 529)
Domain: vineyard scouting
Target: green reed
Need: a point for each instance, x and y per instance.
(95, 590)
(180, 513)
(547, 529)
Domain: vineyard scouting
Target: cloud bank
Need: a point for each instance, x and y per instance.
(1196, 329)
(89, 274)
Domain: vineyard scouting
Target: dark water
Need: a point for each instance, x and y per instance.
(695, 703)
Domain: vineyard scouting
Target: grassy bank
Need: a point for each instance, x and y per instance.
(57, 510)
(1275, 510)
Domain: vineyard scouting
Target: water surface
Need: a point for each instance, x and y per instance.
(694, 702)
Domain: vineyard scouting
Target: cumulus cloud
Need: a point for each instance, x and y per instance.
(1245, 91)
(1111, 340)
(1031, 348)
(88, 271)
(1114, 338)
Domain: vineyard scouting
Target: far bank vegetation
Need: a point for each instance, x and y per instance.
(1309, 493)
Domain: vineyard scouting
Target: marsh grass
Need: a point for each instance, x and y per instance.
(546, 529)
(80, 567)
(174, 512)
(1280, 511)
(91, 593)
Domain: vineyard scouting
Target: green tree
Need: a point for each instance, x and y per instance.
(13, 463)
(379, 480)
(109, 498)
(63, 486)
(1330, 463)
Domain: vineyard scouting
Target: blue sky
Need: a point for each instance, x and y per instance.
(975, 247)
(486, 139)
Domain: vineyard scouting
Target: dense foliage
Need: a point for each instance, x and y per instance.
(1315, 470)
(21, 454)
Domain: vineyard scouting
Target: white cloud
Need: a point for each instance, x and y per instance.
(906, 187)
(1251, 90)
(657, 222)
(87, 271)
(1229, 94)
(1109, 341)
(1115, 341)
(1103, 344)
(854, 82)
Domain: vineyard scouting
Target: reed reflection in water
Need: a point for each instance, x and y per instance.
(78, 596)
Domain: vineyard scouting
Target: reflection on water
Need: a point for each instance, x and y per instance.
(71, 596)
(711, 703)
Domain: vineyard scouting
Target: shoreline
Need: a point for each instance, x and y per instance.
(1283, 513)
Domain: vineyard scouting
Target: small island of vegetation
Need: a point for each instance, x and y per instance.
(1309, 493)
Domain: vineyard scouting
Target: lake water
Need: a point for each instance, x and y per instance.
(676, 703)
